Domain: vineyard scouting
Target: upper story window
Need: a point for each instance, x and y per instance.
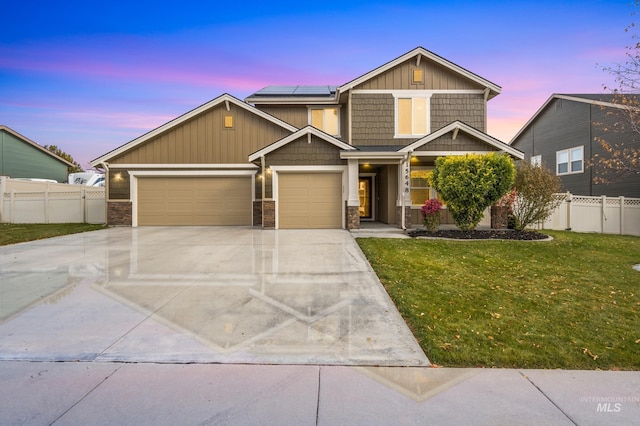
(570, 161)
(326, 119)
(412, 116)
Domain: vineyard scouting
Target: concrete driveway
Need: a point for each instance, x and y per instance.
(199, 294)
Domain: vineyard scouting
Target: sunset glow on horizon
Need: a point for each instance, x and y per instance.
(89, 81)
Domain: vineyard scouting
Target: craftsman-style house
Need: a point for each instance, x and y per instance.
(306, 156)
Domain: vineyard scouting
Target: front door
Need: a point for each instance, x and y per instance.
(365, 193)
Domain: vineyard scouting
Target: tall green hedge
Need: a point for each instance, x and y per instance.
(470, 183)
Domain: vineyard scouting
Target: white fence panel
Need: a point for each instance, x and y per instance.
(44, 202)
(607, 215)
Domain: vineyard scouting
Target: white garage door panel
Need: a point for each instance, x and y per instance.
(219, 200)
(310, 200)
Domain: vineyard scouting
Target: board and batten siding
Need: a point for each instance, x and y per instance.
(296, 115)
(435, 77)
(203, 139)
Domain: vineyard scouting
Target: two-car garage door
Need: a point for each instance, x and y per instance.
(219, 200)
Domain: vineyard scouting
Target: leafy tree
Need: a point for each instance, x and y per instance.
(619, 160)
(469, 184)
(535, 201)
(60, 153)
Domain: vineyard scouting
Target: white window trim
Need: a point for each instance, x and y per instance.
(568, 151)
(324, 107)
(411, 95)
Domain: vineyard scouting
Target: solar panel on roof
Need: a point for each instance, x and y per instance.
(296, 91)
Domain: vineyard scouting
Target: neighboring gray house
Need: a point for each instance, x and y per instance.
(561, 136)
(21, 157)
(306, 156)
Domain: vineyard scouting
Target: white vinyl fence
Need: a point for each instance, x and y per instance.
(605, 215)
(44, 202)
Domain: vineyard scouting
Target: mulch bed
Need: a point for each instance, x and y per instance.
(493, 234)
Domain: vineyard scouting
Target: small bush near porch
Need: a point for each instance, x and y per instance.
(571, 303)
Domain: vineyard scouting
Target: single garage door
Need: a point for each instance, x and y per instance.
(310, 200)
(219, 200)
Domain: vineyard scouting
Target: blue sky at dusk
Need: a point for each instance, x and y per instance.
(91, 77)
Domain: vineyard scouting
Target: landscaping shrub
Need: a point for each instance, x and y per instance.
(535, 201)
(470, 183)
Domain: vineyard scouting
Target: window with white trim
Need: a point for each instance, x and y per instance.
(536, 160)
(421, 191)
(326, 119)
(412, 116)
(570, 161)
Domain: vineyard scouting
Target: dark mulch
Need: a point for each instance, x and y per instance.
(493, 234)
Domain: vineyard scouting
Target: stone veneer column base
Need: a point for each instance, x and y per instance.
(119, 213)
(407, 217)
(268, 214)
(353, 217)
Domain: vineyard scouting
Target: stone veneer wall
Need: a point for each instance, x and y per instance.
(353, 217)
(268, 214)
(119, 213)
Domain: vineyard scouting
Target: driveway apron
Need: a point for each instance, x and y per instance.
(199, 294)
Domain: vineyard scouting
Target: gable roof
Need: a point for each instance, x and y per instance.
(494, 89)
(603, 100)
(331, 94)
(224, 98)
(34, 144)
(306, 130)
(459, 126)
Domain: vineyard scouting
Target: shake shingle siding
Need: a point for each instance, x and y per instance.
(468, 108)
(373, 119)
(301, 152)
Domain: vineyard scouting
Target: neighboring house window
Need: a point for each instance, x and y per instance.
(570, 161)
(326, 119)
(536, 160)
(412, 116)
(420, 189)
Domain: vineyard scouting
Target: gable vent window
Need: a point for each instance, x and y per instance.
(417, 76)
(412, 116)
(228, 121)
(326, 119)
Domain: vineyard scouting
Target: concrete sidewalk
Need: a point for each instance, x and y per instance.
(82, 393)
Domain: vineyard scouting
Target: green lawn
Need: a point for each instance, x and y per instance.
(19, 233)
(571, 303)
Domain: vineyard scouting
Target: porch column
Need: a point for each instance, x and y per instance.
(353, 201)
(404, 193)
